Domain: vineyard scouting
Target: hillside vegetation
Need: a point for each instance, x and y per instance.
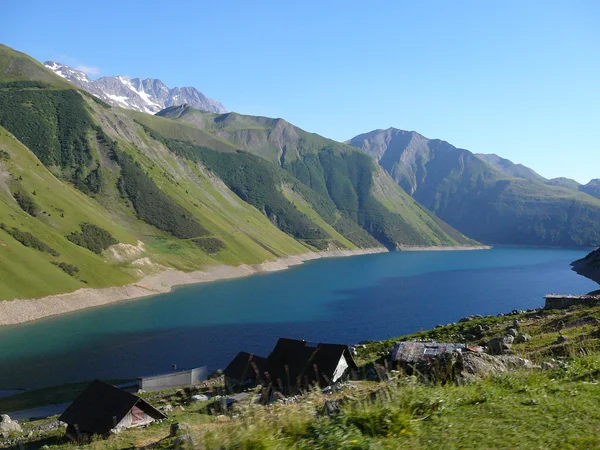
(333, 177)
(95, 196)
(512, 206)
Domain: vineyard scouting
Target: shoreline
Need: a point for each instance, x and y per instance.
(18, 311)
(437, 248)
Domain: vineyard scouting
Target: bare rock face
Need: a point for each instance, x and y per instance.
(7, 424)
(148, 95)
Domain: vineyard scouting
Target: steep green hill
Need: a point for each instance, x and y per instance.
(479, 200)
(344, 185)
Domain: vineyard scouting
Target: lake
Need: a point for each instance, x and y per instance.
(343, 300)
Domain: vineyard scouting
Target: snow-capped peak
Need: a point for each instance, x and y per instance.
(66, 72)
(146, 95)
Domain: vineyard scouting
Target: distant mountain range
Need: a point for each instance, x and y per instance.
(487, 197)
(146, 95)
(520, 171)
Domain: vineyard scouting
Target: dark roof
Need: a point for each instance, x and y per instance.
(101, 406)
(301, 359)
(326, 358)
(242, 367)
(292, 354)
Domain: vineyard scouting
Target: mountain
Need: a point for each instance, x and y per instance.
(146, 95)
(509, 168)
(566, 183)
(479, 200)
(96, 196)
(592, 188)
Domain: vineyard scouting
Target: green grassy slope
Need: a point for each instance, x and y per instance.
(346, 180)
(17, 66)
(479, 200)
(74, 173)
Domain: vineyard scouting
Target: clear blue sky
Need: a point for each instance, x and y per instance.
(516, 78)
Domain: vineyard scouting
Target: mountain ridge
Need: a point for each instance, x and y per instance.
(478, 199)
(149, 95)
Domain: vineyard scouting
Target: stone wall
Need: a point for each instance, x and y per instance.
(566, 301)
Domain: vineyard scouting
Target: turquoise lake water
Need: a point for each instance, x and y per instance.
(343, 300)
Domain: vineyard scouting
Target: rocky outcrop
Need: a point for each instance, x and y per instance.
(462, 367)
(589, 266)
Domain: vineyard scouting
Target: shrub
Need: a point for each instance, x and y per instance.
(29, 240)
(67, 268)
(210, 245)
(26, 203)
(53, 123)
(152, 205)
(92, 237)
(4, 156)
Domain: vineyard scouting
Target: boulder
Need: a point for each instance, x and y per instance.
(200, 398)
(512, 332)
(560, 340)
(7, 424)
(461, 367)
(516, 324)
(523, 337)
(500, 345)
(547, 365)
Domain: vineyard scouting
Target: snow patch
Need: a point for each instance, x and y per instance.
(118, 98)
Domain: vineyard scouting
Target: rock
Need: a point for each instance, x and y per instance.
(7, 424)
(174, 429)
(516, 324)
(547, 366)
(352, 351)
(200, 398)
(500, 345)
(331, 408)
(512, 332)
(167, 408)
(523, 337)
(477, 316)
(183, 441)
(461, 367)
(560, 340)
(438, 326)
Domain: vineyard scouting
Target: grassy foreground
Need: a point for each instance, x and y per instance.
(554, 408)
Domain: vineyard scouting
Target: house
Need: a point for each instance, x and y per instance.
(173, 379)
(103, 407)
(294, 365)
(246, 368)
